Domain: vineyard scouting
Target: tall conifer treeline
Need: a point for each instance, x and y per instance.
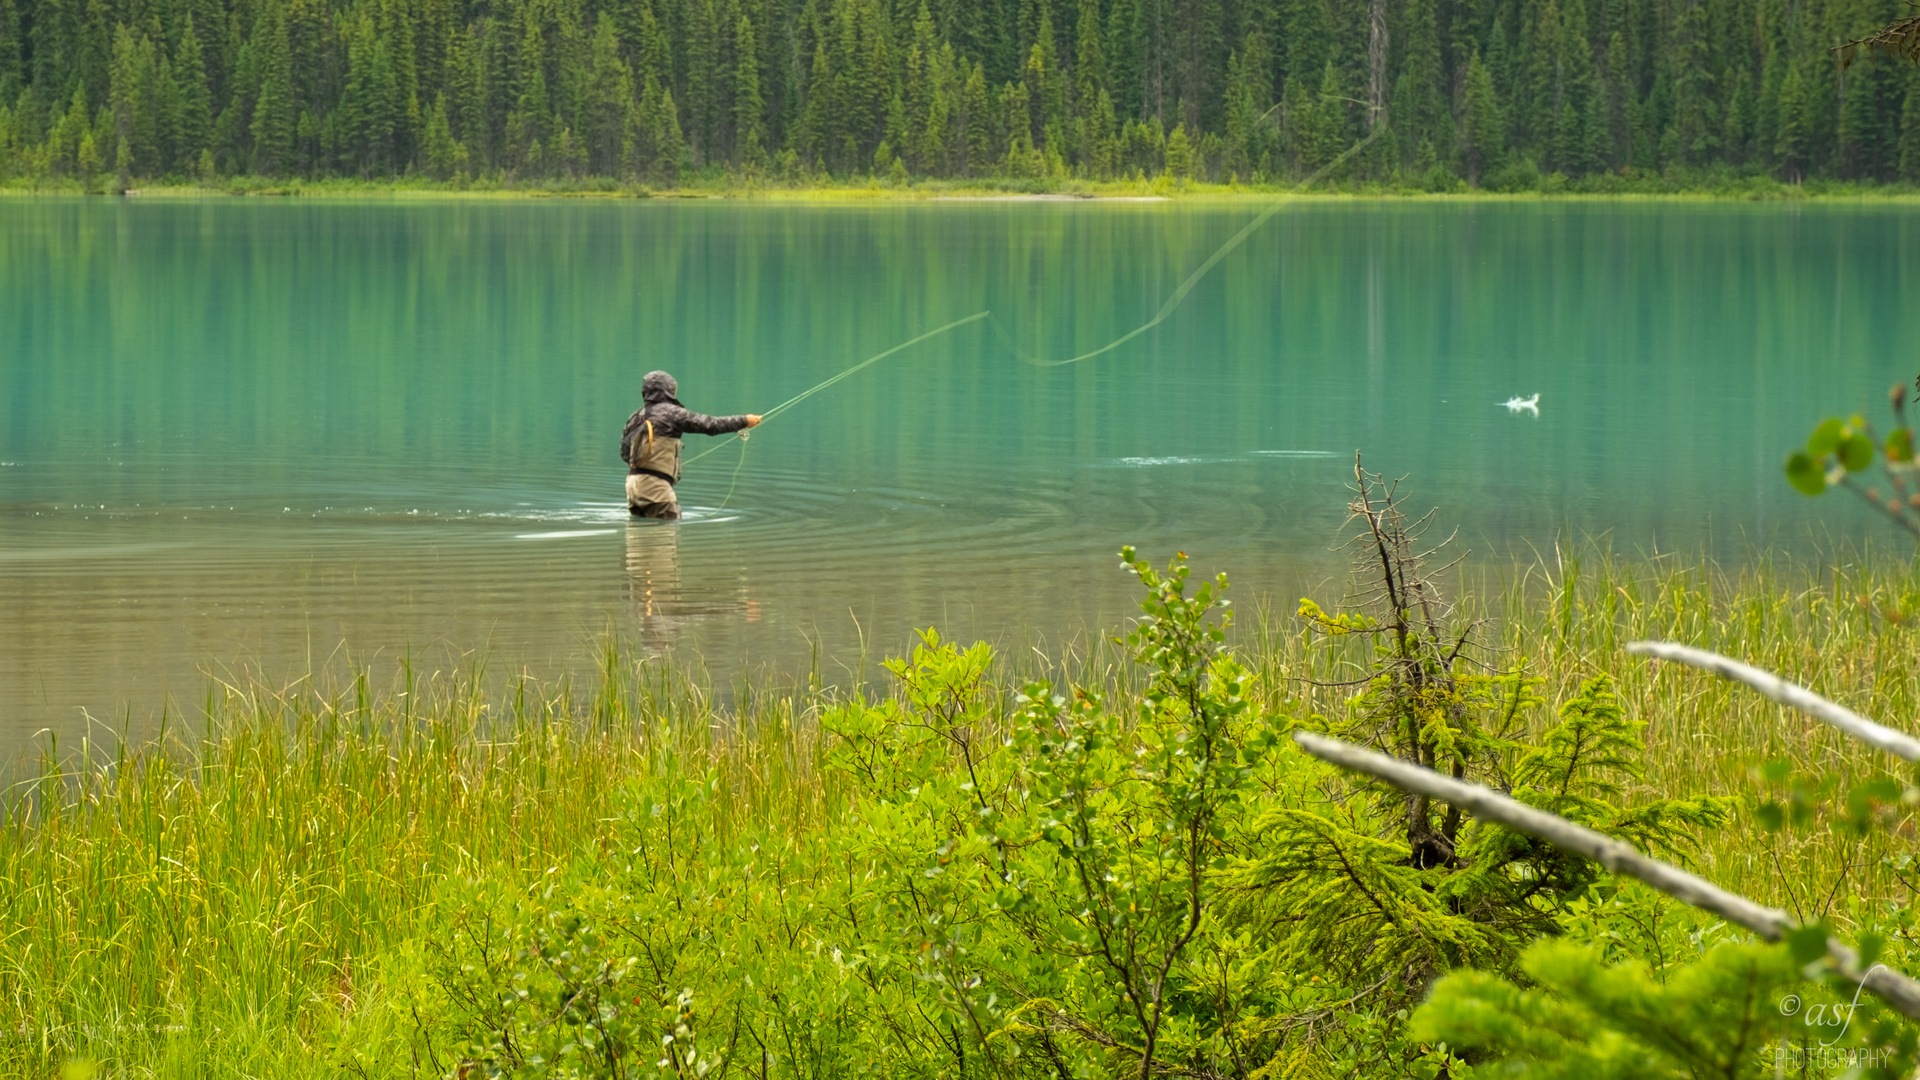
(1490, 91)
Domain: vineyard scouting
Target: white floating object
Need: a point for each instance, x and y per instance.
(1520, 404)
(563, 535)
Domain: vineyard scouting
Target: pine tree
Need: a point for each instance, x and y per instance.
(12, 61)
(1481, 125)
(1737, 131)
(670, 145)
(1423, 115)
(1121, 48)
(1910, 133)
(934, 139)
(1793, 145)
(1537, 97)
(467, 94)
(1046, 86)
(1696, 122)
(748, 105)
(1619, 103)
(196, 99)
(130, 79)
(916, 101)
(1090, 59)
(609, 92)
(1309, 40)
(530, 120)
(95, 50)
(709, 99)
(979, 113)
(274, 113)
(813, 137)
(1179, 154)
(442, 152)
(53, 43)
(1574, 147)
(1332, 130)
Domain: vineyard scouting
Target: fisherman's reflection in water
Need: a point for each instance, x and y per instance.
(660, 604)
(653, 578)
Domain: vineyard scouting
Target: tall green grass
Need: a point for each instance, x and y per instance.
(229, 898)
(230, 885)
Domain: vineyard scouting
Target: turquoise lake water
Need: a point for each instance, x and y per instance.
(275, 436)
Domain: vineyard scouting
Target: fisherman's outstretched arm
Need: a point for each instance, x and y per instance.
(702, 424)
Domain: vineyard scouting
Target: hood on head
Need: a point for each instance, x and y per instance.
(657, 387)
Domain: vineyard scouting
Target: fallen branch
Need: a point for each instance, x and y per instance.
(1774, 688)
(1771, 924)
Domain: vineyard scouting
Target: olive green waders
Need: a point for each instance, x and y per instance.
(650, 484)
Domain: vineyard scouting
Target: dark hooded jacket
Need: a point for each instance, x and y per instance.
(670, 420)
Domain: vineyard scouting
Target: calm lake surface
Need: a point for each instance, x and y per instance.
(281, 437)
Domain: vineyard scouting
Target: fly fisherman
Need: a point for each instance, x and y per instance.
(650, 445)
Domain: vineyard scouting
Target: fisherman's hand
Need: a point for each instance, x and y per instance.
(753, 419)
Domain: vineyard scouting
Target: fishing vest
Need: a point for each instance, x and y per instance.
(661, 456)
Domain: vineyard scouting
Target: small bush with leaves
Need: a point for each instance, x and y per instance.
(1043, 884)
(1839, 451)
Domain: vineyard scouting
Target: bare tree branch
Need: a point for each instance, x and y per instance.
(1774, 688)
(1899, 39)
(1902, 993)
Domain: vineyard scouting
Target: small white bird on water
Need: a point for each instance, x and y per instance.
(1518, 404)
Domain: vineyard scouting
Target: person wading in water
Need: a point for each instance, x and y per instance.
(650, 445)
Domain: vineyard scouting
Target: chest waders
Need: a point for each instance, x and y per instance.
(655, 468)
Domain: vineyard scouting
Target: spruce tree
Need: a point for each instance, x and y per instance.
(708, 97)
(1910, 133)
(669, 143)
(979, 114)
(935, 138)
(274, 112)
(609, 90)
(1537, 97)
(530, 121)
(196, 99)
(1179, 154)
(12, 60)
(1737, 127)
(1481, 125)
(95, 50)
(1424, 114)
(52, 43)
(1121, 48)
(1793, 144)
(130, 82)
(908, 133)
(1090, 58)
(1696, 104)
(748, 105)
(441, 151)
(1574, 149)
(814, 137)
(1619, 103)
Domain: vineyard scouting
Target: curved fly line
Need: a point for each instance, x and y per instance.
(1172, 303)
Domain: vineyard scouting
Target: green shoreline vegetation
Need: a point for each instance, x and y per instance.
(431, 879)
(1609, 188)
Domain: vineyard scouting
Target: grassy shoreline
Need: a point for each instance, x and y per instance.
(260, 892)
(1605, 188)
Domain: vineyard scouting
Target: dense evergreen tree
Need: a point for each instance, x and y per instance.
(644, 89)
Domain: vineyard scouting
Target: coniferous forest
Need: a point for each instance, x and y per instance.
(1429, 92)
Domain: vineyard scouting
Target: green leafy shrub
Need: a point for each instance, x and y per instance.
(1046, 884)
